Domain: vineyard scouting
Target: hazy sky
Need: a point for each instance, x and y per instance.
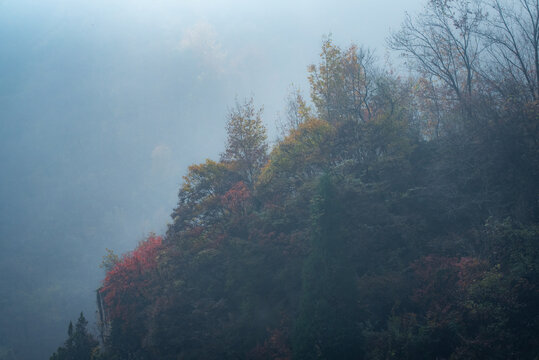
(104, 104)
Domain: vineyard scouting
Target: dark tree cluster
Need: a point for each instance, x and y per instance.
(80, 344)
(396, 219)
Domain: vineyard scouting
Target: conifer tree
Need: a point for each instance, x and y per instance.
(326, 327)
(80, 344)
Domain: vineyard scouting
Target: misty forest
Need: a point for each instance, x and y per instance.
(394, 216)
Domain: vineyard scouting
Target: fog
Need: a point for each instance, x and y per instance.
(103, 105)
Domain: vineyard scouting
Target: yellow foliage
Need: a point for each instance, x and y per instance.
(303, 153)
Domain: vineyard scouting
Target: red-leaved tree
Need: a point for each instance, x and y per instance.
(128, 284)
(236, 198)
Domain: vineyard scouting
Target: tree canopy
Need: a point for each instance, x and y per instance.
(398, 219)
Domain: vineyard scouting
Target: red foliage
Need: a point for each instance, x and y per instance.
(236, 198)
(437, 275)
(129, 280)
(444, 280)
(469, 270)
(275, 347)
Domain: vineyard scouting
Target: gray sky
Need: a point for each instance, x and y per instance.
(104, 104)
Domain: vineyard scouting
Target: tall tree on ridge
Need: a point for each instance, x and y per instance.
(246, 147)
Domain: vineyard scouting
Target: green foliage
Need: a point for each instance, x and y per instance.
(362, 235)
(200, 195)
(302, 155)
(327, 325)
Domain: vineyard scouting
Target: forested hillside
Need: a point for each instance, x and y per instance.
(396, 218)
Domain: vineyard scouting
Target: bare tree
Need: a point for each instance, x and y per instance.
(359, 82)
(511, 32)
(442, 42)
(296, 111)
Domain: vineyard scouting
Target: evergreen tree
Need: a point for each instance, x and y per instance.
(80, 344)
(326, 327)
